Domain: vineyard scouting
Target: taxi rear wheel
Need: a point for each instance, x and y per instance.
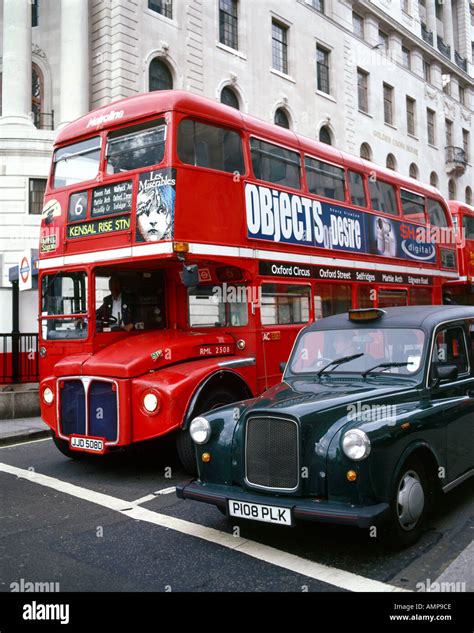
(63, 447)
(184, 444)
(409, 505)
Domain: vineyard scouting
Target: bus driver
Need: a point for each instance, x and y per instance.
(113, 309)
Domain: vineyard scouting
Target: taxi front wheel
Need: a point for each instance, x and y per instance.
(408, 506)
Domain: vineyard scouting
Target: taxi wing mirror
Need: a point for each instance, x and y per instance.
(445, 372)
(190, 275)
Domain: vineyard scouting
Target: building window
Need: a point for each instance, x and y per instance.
(318, 5)
(164, 7)
(449, 132)
(363, 90)
(325, 135)
(358, 25)
(430, 121)
(446, 79)
(406, 57)
(405, 6)
(37, 187)
(229, 98)
(366, 151)
(34, 12)
(383, 42)
(411, 116)
(468, 196)
(427, 71)
(280, 47)
(452, 189)
(434, 180)
(281, 118)
(413, 171)
(465, 144)
(388, 104)
(322, 69)
(160, 77)
(37, 96)
(439, 10)
(462, 95)
(228, 23)
(391, 162)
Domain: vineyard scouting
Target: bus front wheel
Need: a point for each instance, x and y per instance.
(184, 444)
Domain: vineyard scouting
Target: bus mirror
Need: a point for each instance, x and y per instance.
(190, 275)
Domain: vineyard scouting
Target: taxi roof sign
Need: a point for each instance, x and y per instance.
(366, 314)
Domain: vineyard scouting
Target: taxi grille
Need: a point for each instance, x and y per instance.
(272, 453)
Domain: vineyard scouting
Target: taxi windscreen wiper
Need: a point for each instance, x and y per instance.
(384, 366)
(338, 361)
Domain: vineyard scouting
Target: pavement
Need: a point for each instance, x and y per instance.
(22, 430)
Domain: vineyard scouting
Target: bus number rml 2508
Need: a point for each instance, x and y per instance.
(89, 444)
(213, 350)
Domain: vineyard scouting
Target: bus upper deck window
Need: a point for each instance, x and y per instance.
(383, 197)
(413, 206)
(325, 179)
(436, 213)
(275, 164)
(137, 146)
(77, 162)
(356, 188)
(210, 146)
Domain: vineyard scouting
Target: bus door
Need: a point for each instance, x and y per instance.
(284, 309)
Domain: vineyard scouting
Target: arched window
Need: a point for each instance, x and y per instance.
(229, 98)
(391, 162)
(325, 135)
(468, 195)
(413, 171)
(434, 180)
(452, 189)
(37, 95)
(160, 77)
(366, 151)
(281, 118)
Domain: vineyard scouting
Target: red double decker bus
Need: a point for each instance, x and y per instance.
(461, 290)
(184, 244)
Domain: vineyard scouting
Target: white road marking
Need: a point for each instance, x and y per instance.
(44, 439)
(153, 495)
(297, 564)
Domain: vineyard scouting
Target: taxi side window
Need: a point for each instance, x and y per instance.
(450, 349)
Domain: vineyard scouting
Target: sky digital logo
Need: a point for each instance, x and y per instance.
(283, 217)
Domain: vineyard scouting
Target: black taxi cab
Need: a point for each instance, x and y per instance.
(373, 422)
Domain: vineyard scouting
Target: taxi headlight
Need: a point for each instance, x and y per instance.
(48, 395)
(150, 402)
(200, 430)
(356, 444)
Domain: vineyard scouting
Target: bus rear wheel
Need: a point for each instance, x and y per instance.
(63, 447)
(184, 444)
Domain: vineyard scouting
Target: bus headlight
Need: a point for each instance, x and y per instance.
(150, 402)
(356, 444)
(48, 395)
(200, 430)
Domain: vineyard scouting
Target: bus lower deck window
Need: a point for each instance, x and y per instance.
(284, 304)
(219, 306)
(331, 299)
(64, 296)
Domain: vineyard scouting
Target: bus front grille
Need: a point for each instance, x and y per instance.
(89, 407)
(272, 456)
